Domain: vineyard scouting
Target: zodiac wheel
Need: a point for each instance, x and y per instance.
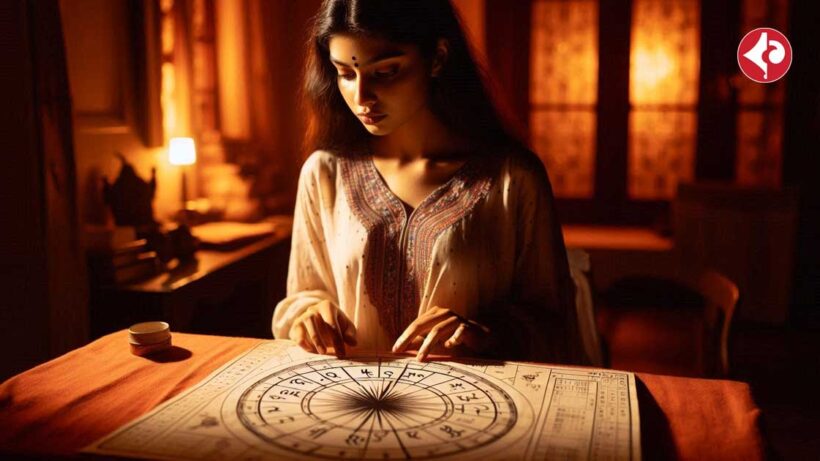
(376, 408)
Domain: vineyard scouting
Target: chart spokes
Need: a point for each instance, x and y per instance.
(379, 409)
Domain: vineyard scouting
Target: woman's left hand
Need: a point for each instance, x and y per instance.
(439, 325)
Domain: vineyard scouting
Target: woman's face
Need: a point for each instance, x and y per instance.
(384, 84)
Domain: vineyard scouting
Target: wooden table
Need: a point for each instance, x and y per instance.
(63, 405)
(229, 292)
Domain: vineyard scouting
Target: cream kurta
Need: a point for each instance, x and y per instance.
(485, 245)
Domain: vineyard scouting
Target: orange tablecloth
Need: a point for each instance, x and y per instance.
(65, 404)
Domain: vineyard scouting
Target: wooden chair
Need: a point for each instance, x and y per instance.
(669, 326)
(721, 296)
(580, 267)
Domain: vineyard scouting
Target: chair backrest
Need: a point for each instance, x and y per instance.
(706, 294)
(716, 224)
(579, 267)
(720, 295)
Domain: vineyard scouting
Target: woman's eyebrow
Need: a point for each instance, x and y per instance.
(379, 57)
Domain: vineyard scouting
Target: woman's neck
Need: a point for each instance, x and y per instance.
(422, 137)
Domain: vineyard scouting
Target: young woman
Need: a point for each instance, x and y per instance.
(421, 223)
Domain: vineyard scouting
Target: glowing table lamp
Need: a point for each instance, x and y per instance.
(182, 152)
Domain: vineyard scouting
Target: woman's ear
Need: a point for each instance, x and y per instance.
(442, 49)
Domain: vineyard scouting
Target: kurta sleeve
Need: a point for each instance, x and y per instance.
(538, 321)
(310, 275)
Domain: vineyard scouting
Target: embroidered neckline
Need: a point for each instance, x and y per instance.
(394, 280)
(375, 173)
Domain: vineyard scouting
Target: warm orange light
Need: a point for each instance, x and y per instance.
(564, 93)
(169, 113)
(182, 151)
(665, 55)
(652, 67)
(663, 94)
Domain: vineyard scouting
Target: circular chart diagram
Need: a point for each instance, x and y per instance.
(378, 408)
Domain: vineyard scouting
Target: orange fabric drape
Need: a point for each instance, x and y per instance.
(63, 405)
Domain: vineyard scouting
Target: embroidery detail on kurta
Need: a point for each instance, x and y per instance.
(394, 280)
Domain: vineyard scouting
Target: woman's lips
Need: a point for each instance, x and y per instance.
(372, 119)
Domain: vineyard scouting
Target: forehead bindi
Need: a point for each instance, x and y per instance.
(356, 52)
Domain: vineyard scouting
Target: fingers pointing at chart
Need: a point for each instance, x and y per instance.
(322, 326)
(441, 326)
(324, 329)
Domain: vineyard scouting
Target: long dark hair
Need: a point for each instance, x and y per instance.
(460, 97)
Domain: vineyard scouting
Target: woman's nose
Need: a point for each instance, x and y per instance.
(365, 96)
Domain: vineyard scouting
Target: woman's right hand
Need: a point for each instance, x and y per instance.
(322, 326)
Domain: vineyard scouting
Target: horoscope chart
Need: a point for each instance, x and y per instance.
(374, 408)
(279, 402)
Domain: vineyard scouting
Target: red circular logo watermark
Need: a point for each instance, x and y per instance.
(764, 55)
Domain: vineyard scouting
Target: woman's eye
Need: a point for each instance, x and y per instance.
(387, 73)
(380, 74)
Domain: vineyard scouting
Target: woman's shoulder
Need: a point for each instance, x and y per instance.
(319, 163)
(522, 163)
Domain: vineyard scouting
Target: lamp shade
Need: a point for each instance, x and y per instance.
(182, 151)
